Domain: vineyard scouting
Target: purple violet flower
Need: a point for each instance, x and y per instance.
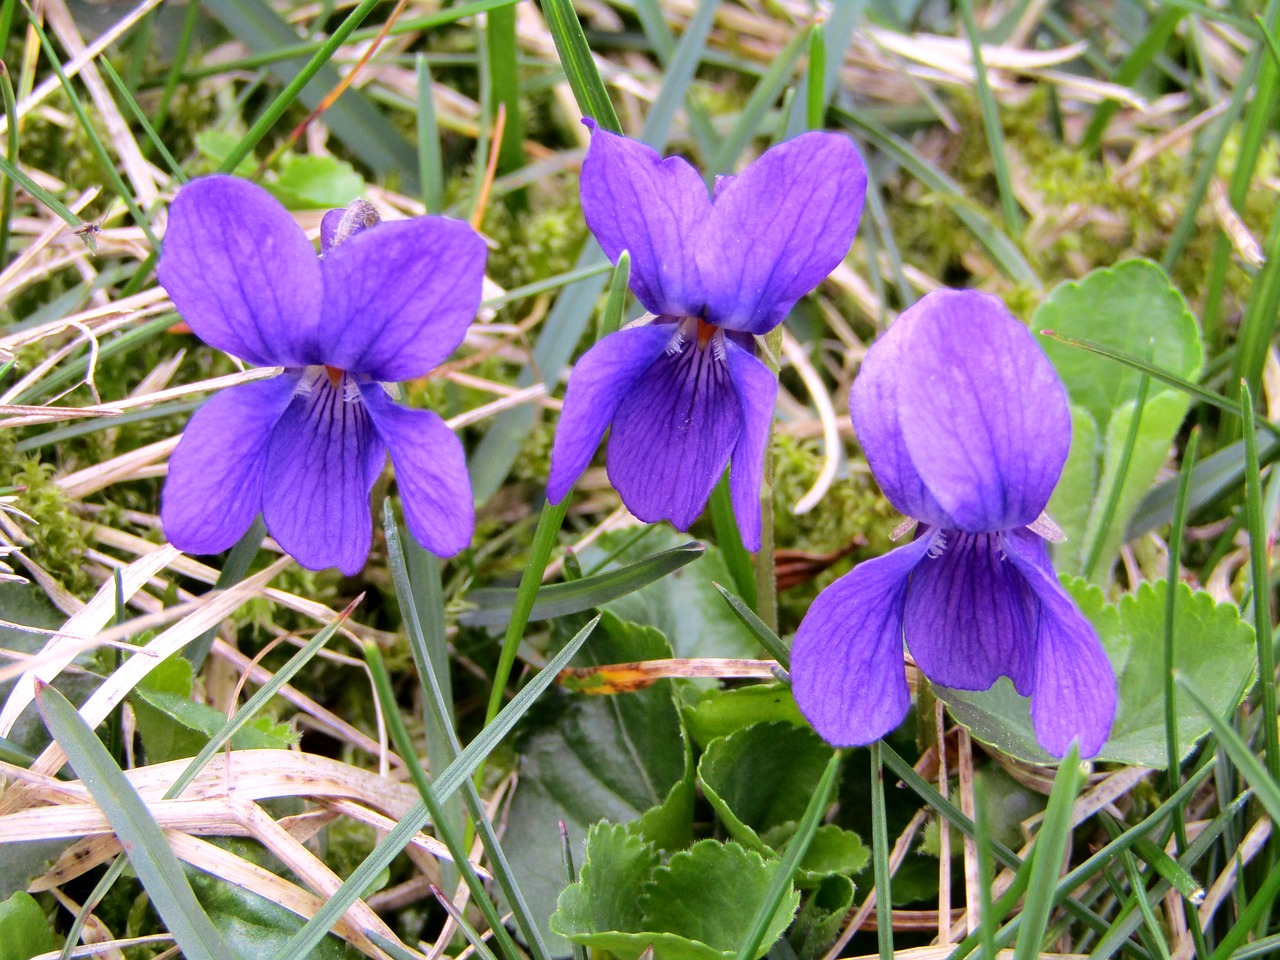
(685, 394)
(965, 425)
(305, 448)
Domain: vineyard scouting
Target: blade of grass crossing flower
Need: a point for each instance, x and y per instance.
(729, 539)
(815, 93)
(149, 853)
(460, 770)
(1002, 249)
(405, 747)
(91, 134)
(759, 629)
(1049, 846)
(579, 66)
(504, 79)
(611, 317)
(430, 164)
(991, 124)
(152, 137)
(880, 855)
(11, 155)
(796, 848)
(1260, 583)
(762, 97)
(1117, 483)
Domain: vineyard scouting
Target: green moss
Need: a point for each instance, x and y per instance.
(58, 535)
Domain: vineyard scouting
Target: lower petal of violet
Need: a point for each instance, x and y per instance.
(847, 672)
(214, 488)
(674, 432)
(757, 390)
(431, 473)
(970, 615)
(1074, 697)
(324, 457)
(600, 380)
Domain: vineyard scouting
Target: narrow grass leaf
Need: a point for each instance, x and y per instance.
(679, 74)
(504, 79)
(140, 117)
(430, 164)
(611, 317)
(768, 638)
(141, 837)
(815, 106)
(453, 777)
(880, 854)
(991, 124)
(579, 66)
(11, 156)
(1050, 843)
(729, 539)
(1117, 486)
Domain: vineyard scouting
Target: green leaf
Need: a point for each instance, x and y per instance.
(141, 837)
(760, 778)
(584, 758)
(24, 931)
(1133, 308)
(834, 852)
(823, 916)
(625, 902)
(722, 712)
(173, 726)
(216, 145)
(316, 183)
(685, 606)
(493, 606)
(1214, 649)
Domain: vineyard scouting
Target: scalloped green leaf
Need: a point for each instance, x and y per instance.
(760, 778)
(1214, 648)
(823, 916)
(719, 713)
(24, 931)
(834, 851)
(307, 182)
(625, 901)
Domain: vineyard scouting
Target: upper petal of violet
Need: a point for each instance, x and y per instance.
(214, 487)
(983, 414)
(600, 380)
(778, 228)
(398, 297)
(873, 405)
(324, 457)
(242, 273)
(653, 208)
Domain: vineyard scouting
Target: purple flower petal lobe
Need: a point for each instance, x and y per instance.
(778, 228)
(323, 460)
(634, 200)
(242, 273)
(214, 487)
(674, 432)
(970, 616)
(398, 297)
(757, 393)
(982, 412)
(1075, 686)
(431, 473)
(600, 380)
(873, 406)
(847, 672)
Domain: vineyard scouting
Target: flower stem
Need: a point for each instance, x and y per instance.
(766, 578)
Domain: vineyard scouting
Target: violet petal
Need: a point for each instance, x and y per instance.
(1075, 686)
(970, 616)
(847, 672)
(634, 200)
(673, 434)
(214, 487)
(600, 379)
(983, 414)
(323, 460)
(431, 473)
(873, 405)
(757, 390)
(778, 229)
(242, 273)
(398, 298)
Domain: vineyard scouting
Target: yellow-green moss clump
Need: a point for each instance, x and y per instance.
(58, 538)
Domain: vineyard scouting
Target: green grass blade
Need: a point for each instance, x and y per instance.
(430, 162)
(550, 283)
(679, 74)
(504, 77)
(815, 99)
(991, 124)
(140, 117)
(11, 155)
(149, 853)
(729, 539)
(1259, 322)
(454, 776)
(796, 848)
(579, 66)
(1117, 486)
(654, 22)
(1050, 843)
(611, 317)
(880, 854)
(40, 193)
(759, 629)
